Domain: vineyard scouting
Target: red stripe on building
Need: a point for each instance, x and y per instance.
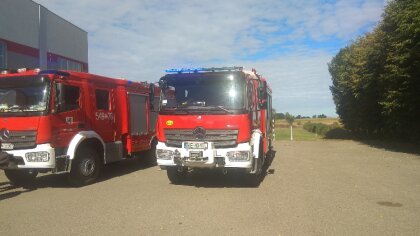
(21, 49)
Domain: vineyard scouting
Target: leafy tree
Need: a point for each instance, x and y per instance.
(401, 100)
(376, 79)
(289, 118)
(280, 116)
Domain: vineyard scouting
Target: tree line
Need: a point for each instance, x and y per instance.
(282, 116)
(376, 79)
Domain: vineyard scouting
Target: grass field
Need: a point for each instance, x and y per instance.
(300, 134)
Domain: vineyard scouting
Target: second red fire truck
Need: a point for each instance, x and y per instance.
(71, 122)
(214, 118)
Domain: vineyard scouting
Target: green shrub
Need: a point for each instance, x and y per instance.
(317, 128)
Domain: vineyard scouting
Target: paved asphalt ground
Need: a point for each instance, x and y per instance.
(317, 188)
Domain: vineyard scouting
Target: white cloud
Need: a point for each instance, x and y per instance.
(139, 39)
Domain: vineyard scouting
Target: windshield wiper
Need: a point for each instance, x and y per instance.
(221, 108)
(175, 110)
(224, 109)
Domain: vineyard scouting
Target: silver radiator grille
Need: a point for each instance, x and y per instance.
(20, 139)
(220, 138)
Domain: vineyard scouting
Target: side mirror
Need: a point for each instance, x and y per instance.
(262, 91)
(163, 84)
(151, 95)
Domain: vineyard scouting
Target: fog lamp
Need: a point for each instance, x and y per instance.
(37, 156)
(238, 155)
(164, 154)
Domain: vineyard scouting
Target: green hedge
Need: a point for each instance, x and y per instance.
(317, 128)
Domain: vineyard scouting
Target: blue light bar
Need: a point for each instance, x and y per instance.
(198, 70)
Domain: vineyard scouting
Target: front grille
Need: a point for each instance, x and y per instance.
(21, 139)
(220, 138)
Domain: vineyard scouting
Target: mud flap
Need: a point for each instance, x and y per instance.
(4, 158)
(62, 164)
(256, 143)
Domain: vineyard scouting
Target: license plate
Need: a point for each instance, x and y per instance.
(196, 145)
(196, 154)
(7, 146)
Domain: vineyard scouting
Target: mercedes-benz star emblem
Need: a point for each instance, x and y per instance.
(199, 133)
(4, 134)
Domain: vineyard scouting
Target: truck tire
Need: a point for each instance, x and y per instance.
(85, 167)
(176, 176)
(21, 177)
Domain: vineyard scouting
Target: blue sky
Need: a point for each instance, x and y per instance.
(289, 42)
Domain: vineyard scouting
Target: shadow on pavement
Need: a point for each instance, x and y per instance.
(233, 179)
(109, 171)
(394, 146)
(9, 191)
(375, 142)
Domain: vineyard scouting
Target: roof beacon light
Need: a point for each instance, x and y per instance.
(198, 70)
(21, 70)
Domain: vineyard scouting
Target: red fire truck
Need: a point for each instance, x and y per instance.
(218, 118)
(71, 122)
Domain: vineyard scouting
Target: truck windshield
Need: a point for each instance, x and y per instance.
(23, 94)
(218, 92)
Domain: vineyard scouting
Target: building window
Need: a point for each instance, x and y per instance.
(102, 99)
(65, 64)
(2, 55)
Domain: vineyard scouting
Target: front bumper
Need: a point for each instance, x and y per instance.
(211, 157)
(19, 159)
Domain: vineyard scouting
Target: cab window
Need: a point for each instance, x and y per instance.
(69, 98)
(102, 99)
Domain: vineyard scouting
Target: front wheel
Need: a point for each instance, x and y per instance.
(177, 176)
(85, 167)
(21, 177)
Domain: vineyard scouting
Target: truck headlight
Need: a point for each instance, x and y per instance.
(164, 154)
(238, 155)
(37, 156)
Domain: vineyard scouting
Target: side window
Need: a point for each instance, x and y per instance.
(2, 55)
(69, 98)
(102, 99)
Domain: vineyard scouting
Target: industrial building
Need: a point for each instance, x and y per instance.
(31, 36)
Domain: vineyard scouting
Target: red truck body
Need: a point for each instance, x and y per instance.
(217, 118)
(64, 121)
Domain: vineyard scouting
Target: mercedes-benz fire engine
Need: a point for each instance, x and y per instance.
(71, 122)
(214, 118)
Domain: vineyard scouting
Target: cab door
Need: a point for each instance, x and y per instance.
(69, 118)
(104, 113)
